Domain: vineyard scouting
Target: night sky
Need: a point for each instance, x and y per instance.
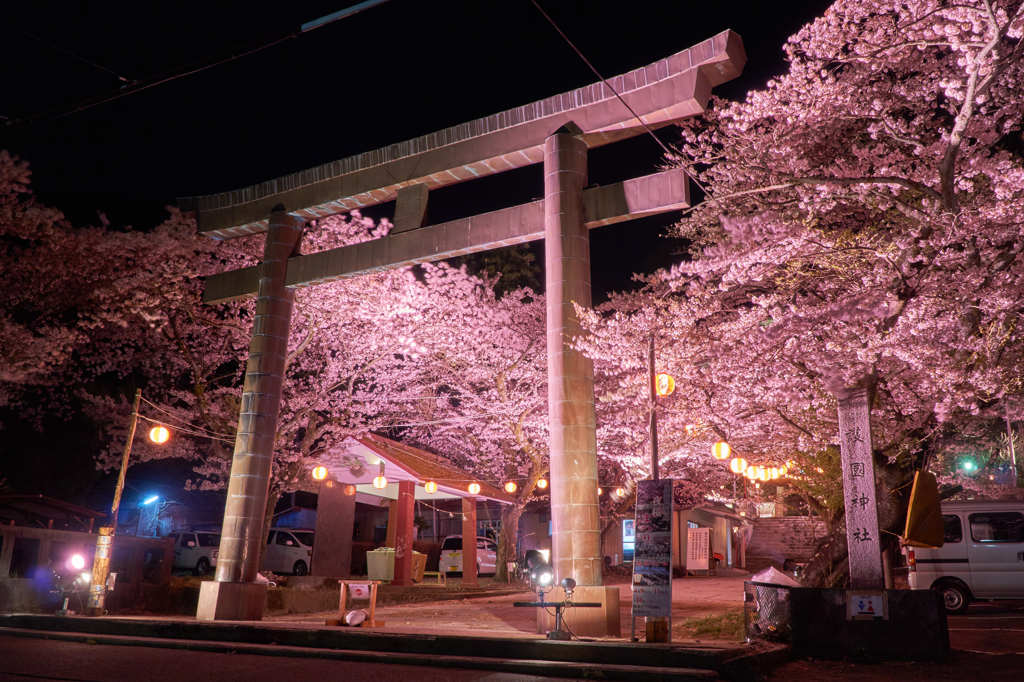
(390, 73)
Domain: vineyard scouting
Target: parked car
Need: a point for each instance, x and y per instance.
(288, 550)
(982, 558)
(451, 555)
(195, 551)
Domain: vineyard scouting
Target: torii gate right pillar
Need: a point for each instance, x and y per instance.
(575, 515)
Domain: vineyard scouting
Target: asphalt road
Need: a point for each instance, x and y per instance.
(25, 659)
(991, 628)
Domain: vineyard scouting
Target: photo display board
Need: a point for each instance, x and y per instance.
(652, 551)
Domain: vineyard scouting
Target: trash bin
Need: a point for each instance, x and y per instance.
(380, 564)
(419, 564)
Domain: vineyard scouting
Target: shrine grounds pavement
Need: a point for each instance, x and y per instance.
(481, 629)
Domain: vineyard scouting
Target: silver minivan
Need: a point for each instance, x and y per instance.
(982, 558)
(195, 551)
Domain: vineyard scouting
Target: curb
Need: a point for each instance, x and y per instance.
(546, 668)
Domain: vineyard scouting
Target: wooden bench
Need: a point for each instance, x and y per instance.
(440, 576)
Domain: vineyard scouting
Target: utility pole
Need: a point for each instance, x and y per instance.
(105, 541)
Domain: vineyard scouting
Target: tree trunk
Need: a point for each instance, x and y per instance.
(268, 518)
(510, 515)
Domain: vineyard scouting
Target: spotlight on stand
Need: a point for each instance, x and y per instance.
(542, 577)
(560, 633)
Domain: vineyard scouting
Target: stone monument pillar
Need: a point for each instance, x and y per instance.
(233, 594)
(576, 535)
(858, 464)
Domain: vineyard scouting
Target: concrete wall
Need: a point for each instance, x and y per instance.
(784, 537)
(137, 561)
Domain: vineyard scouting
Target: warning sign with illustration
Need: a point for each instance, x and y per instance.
(652, 553)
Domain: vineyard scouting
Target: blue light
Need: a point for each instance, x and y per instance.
(151, 499)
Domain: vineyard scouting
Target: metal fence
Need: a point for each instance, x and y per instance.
(766, 612)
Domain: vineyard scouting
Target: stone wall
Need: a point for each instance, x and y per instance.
(784, 538)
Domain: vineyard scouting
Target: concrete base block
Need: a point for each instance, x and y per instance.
(600, 621)
(231, 601)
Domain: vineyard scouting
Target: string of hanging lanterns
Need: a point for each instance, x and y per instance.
(721, 450)
(320, 473)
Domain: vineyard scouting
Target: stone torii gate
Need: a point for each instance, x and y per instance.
(557, 131)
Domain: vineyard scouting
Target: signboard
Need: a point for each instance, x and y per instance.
(698, 549)
(866, 606)
(652, 550)
(859, 490)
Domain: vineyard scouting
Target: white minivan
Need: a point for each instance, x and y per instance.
(451, 555)
(982, 558)
(288, 550)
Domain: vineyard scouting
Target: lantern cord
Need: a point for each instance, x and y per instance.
(186, 430)
(176, 421)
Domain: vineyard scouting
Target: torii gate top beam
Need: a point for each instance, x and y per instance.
(668, 90)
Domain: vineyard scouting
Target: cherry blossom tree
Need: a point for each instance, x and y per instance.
(861, 222)
(475, 387)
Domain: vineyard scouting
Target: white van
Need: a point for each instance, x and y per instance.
(982, 558)
(451, 555)
(288, 550)
(195, 551)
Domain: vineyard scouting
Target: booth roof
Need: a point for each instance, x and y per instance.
(428, 466)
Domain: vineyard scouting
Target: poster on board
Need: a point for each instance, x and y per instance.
(698, 548)
(652, 550)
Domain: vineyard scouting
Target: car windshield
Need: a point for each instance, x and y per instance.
(452, 543)
(304, 538)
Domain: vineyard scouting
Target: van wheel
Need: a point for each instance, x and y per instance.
(300, 568)
(202, 566)
(955, 596)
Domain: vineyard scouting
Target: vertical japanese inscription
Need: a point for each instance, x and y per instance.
(859, 490)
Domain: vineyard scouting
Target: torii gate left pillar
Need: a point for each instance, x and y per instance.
(234, 593)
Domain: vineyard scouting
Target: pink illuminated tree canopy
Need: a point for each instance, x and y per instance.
(862, 218)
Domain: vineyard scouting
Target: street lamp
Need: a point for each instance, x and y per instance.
(105, 538)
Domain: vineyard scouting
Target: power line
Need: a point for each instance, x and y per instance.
(133, 87)
(602, 78)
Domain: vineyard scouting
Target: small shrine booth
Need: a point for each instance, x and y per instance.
(379, 470)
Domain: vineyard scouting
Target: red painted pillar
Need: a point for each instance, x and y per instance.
(469, 578)
(403, 533)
